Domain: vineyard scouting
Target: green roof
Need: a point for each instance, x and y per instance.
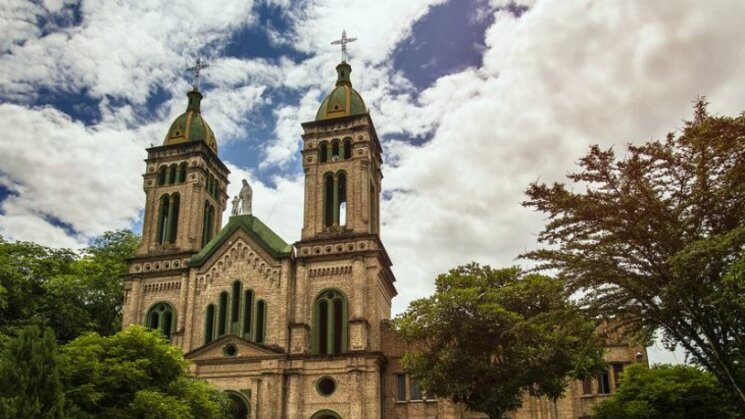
(190, 125)
(258, 231)
(343, 99)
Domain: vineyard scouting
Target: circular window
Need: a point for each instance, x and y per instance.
(326, 386)
(230, 350)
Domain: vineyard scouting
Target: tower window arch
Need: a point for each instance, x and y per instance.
(330, 323)
(335, 198)
(328, 199)
(161, 316)
(323, 151)
(162, 175)
(172, 169)
(347, 148)
(340, 216)
(173, 210)
(163, 220)
(182, 173)
(208, 223)
(335, 150)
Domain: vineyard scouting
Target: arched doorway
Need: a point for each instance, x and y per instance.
(240, 409)
(325, 414)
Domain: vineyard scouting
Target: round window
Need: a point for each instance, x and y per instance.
(326, 386)
(230, 350)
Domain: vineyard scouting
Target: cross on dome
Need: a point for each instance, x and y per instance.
(343, 42)
(196, 69)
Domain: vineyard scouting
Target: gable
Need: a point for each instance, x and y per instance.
(244, 350)
(262, 235)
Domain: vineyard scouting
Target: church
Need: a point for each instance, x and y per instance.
(291, 330)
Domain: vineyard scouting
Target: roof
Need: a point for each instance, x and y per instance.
(190, 125)
(343, 99)
(258, 231)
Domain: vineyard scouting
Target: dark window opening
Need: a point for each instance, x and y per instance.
(260, 321)
(209, 323)
(323, 151)
(323, 314)
(347, 149)
(329, 199)
(247, 311)
(401, 387)
(603, 383)
(222, 313)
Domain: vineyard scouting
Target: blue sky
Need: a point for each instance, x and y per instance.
(472, 100)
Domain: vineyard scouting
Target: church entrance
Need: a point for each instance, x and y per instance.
(240, 408)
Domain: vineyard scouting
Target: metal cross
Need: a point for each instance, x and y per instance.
(197, 67)
(343, 42)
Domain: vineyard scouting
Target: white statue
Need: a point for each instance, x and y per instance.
(245, 197)
(236, 206)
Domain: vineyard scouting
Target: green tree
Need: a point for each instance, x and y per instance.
(71, 293)
(666, 392)
(30, 384)
(657, 237)
(135, 373)
(487, 335)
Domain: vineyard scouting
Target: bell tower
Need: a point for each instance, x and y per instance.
(342, 262)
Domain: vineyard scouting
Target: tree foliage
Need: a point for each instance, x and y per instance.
(666, 392)
(135, 373)
(657, 236)
(30, 384)
(71, 293)
(487, 335)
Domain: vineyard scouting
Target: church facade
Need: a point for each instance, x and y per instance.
(289, 330)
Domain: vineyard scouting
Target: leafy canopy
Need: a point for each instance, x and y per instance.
(657, 236)
(487, 335)
(666, 392)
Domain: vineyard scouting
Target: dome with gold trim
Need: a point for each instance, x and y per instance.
(343, 100)
(190, 125)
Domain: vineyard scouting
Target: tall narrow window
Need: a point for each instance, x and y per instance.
(341, 199)
(401, 387)
(172, 174)
(173, 217)
(335, 150)
(617, 370)
(347, 148)
(416, 392)
(323, 152)
(182, 173)
(209, 324)
(587, 385)
(603, 383)
(373, 209)
(328, 199)
(162, 175)
(222, 313)
(160, 317)
(330, 323)
(260, 321)
(163, 219)
(235, 309)
(207, 224)
(248, 298)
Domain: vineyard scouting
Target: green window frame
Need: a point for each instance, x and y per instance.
(330, 324)
(161, 316)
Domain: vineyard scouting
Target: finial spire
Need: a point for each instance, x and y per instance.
(196, 69)
(343, 42)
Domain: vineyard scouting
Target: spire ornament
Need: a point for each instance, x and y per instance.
(196, 69)
(343, 42)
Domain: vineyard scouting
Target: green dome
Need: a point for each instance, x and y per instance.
(343, 100)
(190, 126)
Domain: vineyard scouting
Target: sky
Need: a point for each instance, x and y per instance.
(472, 100)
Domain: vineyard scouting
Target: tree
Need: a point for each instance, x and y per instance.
(666, 392)
(71, 293)
(657, 237)
(134, 373)
(30, 384)
(487, 335)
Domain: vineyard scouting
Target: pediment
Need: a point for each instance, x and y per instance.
(244, 349)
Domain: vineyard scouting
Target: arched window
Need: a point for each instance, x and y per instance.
(162, 174)
(209, 324)
(323, 152)
(182, 173)
(248, 304)
(161, 317)
(222, 313)
(235, 309)
(325, 414)
(172, 174)
(335, 150)
(173, 211)
(328, 199)
(208, 222)
(260, 321)
(347, 146)
(341, 199)
(330, 323)
(165, 207)
(240, 408)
